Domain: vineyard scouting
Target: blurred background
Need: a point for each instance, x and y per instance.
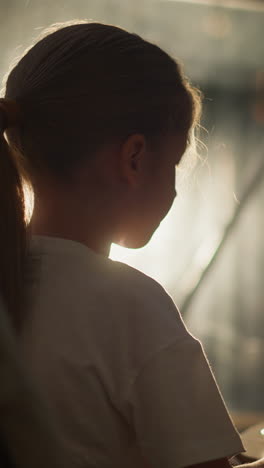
(209, 252)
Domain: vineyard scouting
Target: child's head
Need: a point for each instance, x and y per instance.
(89, 88)
(88, 84)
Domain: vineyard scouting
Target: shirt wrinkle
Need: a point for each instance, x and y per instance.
(154, 355)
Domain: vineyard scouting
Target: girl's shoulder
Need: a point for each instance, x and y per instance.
(75, 276)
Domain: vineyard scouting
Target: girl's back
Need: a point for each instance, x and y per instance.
(112, 356)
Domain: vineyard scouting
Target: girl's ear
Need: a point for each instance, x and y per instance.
(132, 158)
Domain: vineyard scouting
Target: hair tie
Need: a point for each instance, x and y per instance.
(9, 114)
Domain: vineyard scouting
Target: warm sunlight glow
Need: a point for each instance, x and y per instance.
(29, 201)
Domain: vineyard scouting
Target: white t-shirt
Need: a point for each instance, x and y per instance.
(129, 385)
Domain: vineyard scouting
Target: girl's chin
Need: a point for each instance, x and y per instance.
(136, 242)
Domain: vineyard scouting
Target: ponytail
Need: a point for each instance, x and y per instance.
(12, 224)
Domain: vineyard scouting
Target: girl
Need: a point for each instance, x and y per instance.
(97, 119)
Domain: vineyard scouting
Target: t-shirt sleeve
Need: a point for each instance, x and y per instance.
(177, 411)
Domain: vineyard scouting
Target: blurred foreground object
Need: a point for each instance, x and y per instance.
(253, 440)
(27, 435)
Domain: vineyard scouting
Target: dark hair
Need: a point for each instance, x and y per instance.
(79, 87)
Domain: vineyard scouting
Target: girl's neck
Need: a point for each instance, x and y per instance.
(68, 221)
